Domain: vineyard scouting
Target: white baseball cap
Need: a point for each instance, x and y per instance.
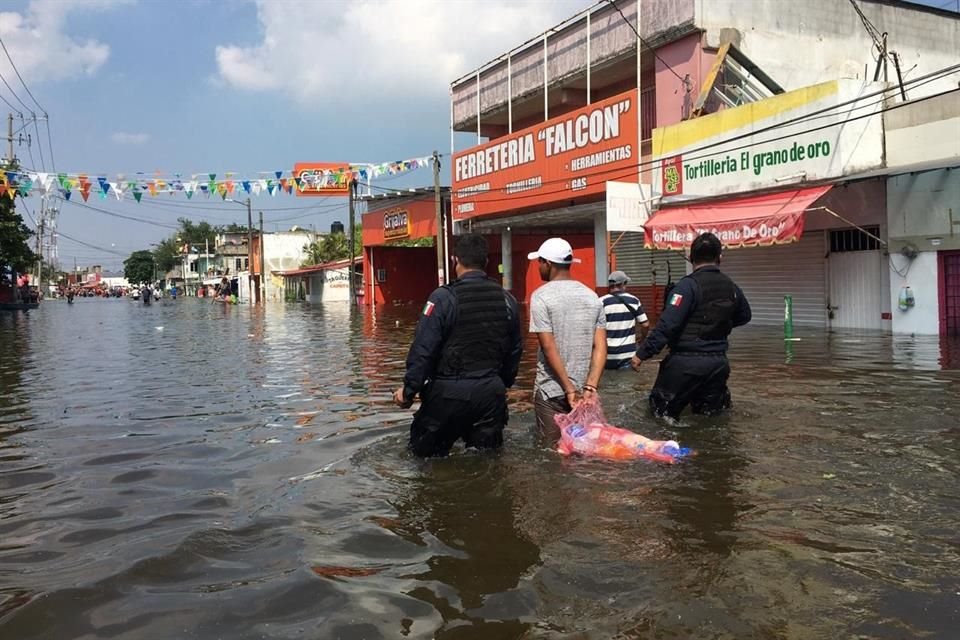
(556, 250)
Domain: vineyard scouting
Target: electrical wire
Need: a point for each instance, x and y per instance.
(15, 70)
(655, 162)
(91, 246)
(644, 42)
(120, 215)
(36, 128)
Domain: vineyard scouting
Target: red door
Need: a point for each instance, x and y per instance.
(950, 293)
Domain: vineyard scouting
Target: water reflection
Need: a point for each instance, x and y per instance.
(463, 508)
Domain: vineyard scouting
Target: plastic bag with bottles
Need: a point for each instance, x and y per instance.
(586, 432)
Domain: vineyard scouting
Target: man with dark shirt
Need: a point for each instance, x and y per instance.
(464, 356)
(701, 311)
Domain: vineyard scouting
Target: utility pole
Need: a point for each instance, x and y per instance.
(353, 278)
(263, 274)
(250, 249)
(9, 139)
(441, 237)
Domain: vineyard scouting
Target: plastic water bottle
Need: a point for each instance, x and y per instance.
(672, 448)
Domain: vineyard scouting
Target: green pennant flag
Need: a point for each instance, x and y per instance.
(137, 195)
(62, 178)
(189, 194)
(213, 176)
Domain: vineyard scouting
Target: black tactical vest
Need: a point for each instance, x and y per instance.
(712, 319)
(478, 341)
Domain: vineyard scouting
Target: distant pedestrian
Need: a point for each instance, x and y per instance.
(624, 315)
(568, 318)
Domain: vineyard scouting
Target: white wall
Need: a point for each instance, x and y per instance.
(923, 208)
(829, 40)
(332, 285)
(921, 276)
(282, 252)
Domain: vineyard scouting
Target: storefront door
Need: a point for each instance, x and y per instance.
(950, 293)
(855, 268)
(767, 274)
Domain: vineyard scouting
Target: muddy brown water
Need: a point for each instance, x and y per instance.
(194, 470)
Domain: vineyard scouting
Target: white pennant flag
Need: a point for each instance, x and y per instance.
(117, 190)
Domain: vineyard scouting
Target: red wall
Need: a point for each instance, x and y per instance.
(526, 274)
(411, 274)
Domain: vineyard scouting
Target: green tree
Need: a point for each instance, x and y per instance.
(15, 250)
(197, 234)
(333, 246)
(167, 254)
(139, 267)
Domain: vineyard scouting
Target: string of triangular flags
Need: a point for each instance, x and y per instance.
(303, 179)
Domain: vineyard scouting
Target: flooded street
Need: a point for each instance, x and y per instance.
(196, 470)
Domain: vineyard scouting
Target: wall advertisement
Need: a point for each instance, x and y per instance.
(569, 156)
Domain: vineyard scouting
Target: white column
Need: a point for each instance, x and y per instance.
(600, 248)
(509, 95)
(546, 83)
(506, 258)
(589, 100)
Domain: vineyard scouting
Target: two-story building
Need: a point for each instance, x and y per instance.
(634, 125)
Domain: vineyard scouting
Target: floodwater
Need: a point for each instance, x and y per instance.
(194, 470)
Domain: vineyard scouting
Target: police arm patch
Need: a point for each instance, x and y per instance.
(428, 308)
(676, 300)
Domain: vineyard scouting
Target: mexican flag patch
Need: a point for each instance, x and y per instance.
(675, 300)
(428, 308)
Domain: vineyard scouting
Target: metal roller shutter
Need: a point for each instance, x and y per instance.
(766, 274)
(647, 266)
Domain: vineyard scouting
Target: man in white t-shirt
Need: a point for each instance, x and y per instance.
(570, 325)
(624, 314)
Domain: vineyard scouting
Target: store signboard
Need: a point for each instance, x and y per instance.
(396, 224)
(817, 133)
(569, 156)
(628, 206)
(322, 178)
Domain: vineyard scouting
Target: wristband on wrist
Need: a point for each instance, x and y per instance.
(590, 387)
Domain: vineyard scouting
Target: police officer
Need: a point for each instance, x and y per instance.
(464, 356)
(700, 313)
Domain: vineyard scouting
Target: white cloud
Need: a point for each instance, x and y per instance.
(39, 45)
(318, 51)
(121, 137)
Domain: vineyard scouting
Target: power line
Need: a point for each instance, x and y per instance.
(15, 70)
(120, 215)
(36, 128)
(644, 42)
(92, 246)
(651, 163)
(46, 122)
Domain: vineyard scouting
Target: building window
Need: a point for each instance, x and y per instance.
(381, 275)
(844, 240)
(193, 267)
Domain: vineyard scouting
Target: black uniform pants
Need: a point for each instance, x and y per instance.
(697, 379)
(472, 409)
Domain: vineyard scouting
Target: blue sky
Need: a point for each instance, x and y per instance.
(199, 86)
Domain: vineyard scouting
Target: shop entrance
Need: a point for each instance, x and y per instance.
(950, 293)
(856, 280)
